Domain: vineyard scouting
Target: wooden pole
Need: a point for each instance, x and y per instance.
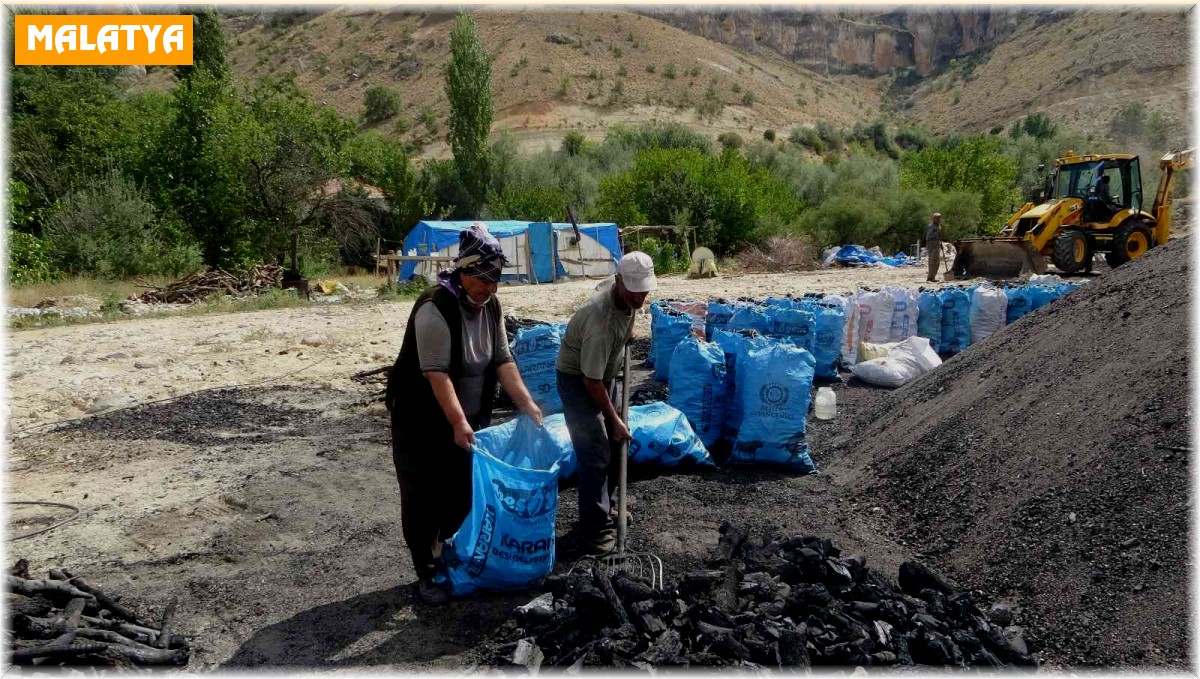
(529, 270)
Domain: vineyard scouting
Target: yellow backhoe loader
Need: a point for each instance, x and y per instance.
(1089, 204)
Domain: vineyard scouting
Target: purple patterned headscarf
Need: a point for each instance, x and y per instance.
(479, 256)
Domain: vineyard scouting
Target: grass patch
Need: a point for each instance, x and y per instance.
(29, 295)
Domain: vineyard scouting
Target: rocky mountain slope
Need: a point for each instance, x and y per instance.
(582, 70)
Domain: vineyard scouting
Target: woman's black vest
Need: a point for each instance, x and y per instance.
(410, 398)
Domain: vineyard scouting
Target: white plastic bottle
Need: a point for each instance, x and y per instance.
(825, 407)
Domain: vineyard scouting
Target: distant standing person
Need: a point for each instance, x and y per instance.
(440, 392)
(933, 244)
(588, 361)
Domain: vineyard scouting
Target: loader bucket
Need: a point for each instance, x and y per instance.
(996, 258)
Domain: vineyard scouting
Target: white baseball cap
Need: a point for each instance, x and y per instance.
(637, 272)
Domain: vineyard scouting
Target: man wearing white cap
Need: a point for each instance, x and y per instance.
(588, 361)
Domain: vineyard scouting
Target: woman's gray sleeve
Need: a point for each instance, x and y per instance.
(501, 352)
(433, 340)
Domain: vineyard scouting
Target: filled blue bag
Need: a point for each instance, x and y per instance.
(662, 437)
(1020, 302)
(718, 318)
(506, 543)
(741, 344)
(797, 325)
(750, 318)
(956, 320)
(698, 388)
(1039, 296)
(929, 318)
(668, 330)
(829, 331)
(776, 387)
(536, 353)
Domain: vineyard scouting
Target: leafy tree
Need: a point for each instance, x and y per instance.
(469, 90)
(209, 48)
(975, 165)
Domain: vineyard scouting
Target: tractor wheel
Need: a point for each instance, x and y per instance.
(1132, 240)
(1071, 251)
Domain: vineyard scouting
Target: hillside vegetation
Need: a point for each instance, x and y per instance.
(323, 132)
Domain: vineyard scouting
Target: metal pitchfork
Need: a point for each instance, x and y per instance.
(641, 565)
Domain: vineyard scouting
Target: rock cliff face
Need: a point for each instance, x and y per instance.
(859, 42)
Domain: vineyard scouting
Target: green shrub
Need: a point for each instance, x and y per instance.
(748, 99)
(668, 257)
(769, 135)
(622, 72)
(711, 105)
(109, 229)
(730, 140)
(808, 138)
(737, 87)
(572, 143)
(650, 68)
(1130, 121)
(28, 259)
(429, 119)
(668, 71)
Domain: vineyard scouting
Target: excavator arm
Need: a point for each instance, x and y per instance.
(1170, 164)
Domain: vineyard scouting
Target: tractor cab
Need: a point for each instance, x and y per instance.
(1109, 185)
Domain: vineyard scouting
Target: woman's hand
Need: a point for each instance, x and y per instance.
(533, 412)
(464, 436)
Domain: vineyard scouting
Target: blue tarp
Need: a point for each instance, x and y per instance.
(857, 255)
(428, 237)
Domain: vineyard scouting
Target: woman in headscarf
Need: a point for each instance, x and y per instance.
(440, 392)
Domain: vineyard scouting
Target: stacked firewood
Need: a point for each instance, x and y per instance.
(64, 619)
(201, 285)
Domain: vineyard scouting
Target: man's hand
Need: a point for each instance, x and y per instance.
(464, 436)
(618, 431)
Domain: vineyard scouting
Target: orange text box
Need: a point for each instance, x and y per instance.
(103, 39)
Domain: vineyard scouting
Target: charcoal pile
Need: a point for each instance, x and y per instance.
(201, 285)
(512, 324)
(64, 620)
(786, 601)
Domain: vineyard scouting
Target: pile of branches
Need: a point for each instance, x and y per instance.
(65, 620)
(788, 601)
(201, 285)
(780, 253)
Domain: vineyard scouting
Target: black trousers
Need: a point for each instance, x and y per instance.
(435, 492)
(597, 454)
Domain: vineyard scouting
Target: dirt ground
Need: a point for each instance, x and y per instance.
(271, 510)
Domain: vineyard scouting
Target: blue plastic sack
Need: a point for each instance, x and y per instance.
(1020, 302)
(698, 389)
(551, 439)
(1039, 296)
(797, 325)
(829, 331)
(662, 437)
(718, 318)
(536, 353)
(956, 320)
(776, 389)
(507, 541)
(742, 344)
(750, 318)
(668, 330)
(929, 318)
